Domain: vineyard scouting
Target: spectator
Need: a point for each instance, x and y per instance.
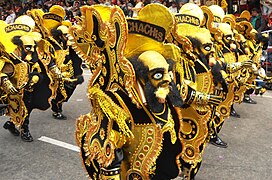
(266, 7)
(76, 8)
(243, 5)
(165, 3)
(11, 17)
(253, 4)
(107, 3)
(146, 2)
(91, 2)
(173, 8)
(126, 7)
(257, 21)
(182, 2)
(139, 5)
(197, 2)
(48, 4)
(1, 8)
(18, 10)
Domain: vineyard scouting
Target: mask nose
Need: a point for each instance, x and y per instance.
(32, 49)
(167, 78)
(212, 50)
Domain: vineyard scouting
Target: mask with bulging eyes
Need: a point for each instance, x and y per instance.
(158, 73)
(203, 45)
(28, 46)
(207, 49)
(228, 35)
(28, 43)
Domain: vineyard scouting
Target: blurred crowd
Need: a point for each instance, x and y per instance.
(9, 10)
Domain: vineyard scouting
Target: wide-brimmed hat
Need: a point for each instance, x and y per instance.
(23, 25)
(54, 17)
(149, 30)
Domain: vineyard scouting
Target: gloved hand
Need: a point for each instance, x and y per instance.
(233, 67)
(208, 99)
(214, 100)
(247, 63)
(56, 72)
(8, 87)
(34, 79)
(267, 79)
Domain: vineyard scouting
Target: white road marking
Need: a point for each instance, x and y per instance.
(79, 100)
(59, 143)
(76, 148)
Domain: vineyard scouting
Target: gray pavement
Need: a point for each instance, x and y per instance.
(248, 156)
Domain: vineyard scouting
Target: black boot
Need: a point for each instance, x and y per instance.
(248, 99)
(59, 116)
(218, 142)
(12, 129)
(26, 136)
(234, 113)
(57, 110)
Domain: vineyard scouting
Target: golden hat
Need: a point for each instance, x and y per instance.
(225, 28)
(191, 28)
(22, 25)
(218, 13)
(149, 30)
(209, 23)
(199, 33)
(54, 17)
(37, 15)
(25, 19)
(192, 10)
(245, 28)
(243, 25)
(58, 10)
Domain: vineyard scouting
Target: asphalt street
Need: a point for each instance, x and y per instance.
(248, 156)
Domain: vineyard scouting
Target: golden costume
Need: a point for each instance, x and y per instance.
(27, 72)
(195, 75)
(66, 58)
(227, 55)
(133, 128)
(66, 73)
(254, 44)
